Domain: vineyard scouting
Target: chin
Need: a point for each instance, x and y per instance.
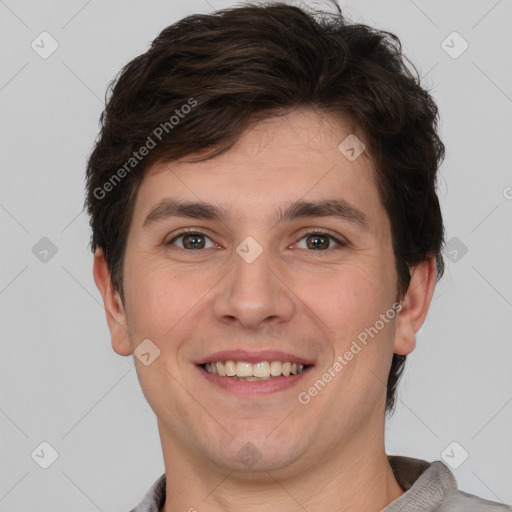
(254, 454)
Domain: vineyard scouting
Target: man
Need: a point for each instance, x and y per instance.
(267, 240)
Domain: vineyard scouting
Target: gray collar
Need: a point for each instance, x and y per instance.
(426, 484)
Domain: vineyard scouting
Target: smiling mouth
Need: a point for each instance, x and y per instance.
(263, 370)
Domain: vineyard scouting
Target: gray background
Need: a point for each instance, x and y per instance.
(60, 380)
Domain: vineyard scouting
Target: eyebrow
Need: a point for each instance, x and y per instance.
(338, 208)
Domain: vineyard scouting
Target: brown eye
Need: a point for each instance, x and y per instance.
(319, 241)
(191, 241)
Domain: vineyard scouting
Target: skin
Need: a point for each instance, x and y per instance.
(325, 455)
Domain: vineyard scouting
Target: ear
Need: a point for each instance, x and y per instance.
(116, 317)
(415, 306)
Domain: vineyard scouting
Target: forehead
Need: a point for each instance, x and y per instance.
(283, 160)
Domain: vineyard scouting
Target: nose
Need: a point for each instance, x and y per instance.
(253, 294)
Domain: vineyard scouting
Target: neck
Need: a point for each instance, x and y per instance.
(353, 478)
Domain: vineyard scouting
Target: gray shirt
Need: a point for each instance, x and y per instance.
(430, 487)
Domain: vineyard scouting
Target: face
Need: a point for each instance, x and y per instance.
(252, 280)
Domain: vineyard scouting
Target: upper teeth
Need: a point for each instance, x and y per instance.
(263, 369)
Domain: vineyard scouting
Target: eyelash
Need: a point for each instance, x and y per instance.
(312, 231)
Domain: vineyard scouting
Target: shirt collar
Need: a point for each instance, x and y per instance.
(426, 484)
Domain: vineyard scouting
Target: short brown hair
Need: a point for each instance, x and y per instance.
(207, 78)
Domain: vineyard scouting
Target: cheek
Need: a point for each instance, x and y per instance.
(349, 296)
(153, 295)
(349, 304)
(162, 298)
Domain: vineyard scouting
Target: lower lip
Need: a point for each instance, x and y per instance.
(255, 387)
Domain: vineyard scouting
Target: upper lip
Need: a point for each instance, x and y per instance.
(253, 357)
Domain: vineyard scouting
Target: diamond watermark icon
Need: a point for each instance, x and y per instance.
(455, 249)
(454, 45)
(248, 455)
(44, 250)
(146, 352)
(44, 45)
(249, 249)
(44, 455)
(351, 147)
(454, 455)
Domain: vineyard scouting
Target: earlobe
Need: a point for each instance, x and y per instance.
(114, 310)
(415, 306)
